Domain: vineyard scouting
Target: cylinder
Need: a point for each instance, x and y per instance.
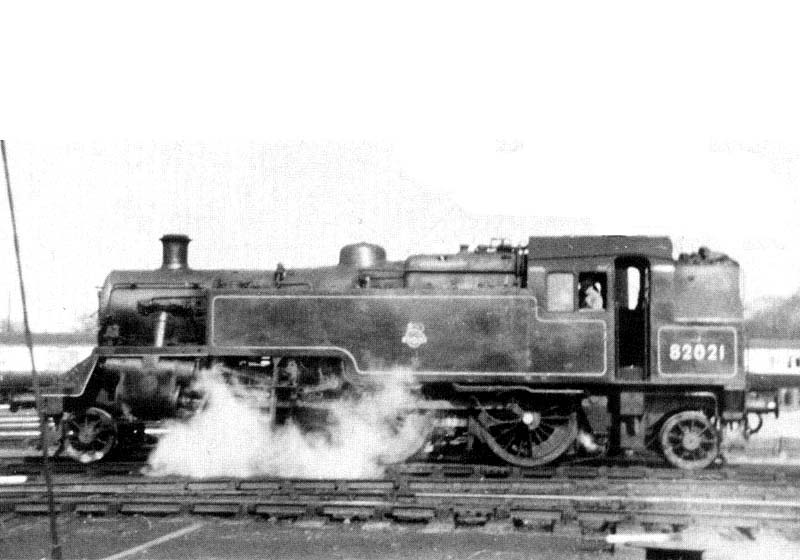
(150, 386)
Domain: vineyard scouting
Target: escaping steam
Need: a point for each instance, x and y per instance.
(231, 436)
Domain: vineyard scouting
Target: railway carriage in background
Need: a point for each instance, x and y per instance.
(563, 345)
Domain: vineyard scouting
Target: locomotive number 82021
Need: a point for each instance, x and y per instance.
(698, 352)
(697, 349)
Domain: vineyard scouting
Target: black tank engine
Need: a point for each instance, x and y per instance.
(567, 343)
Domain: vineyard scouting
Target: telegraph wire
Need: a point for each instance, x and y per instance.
(55, 550)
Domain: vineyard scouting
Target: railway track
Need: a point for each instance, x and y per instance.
(580, 499)
(591, 504)
(622, 470)
(589, 508)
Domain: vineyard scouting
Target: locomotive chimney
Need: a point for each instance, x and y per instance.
(176, 251)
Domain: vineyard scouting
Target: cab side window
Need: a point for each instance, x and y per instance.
(560, 291)
(592, 291)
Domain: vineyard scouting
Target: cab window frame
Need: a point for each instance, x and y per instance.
(590, 278)
(556, 289)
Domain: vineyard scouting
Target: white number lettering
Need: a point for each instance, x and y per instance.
(699, 352)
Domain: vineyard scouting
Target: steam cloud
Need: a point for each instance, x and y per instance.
(231, 436)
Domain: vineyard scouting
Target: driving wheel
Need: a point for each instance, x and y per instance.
(527, 437)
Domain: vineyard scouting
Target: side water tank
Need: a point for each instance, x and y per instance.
(362, 255)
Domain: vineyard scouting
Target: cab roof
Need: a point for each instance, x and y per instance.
(602, 245)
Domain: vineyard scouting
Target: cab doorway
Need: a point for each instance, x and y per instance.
(632, 275)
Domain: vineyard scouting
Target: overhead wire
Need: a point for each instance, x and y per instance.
(55, 548)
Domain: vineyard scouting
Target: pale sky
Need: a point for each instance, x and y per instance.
(307, 127)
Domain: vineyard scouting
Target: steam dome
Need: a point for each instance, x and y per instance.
(362, 255)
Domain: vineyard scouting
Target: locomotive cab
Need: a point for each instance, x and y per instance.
(670, 362)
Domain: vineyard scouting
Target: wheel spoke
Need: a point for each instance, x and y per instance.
(496, 422)
(504, 432)
(689, 440)
(531, 445)
(511, 437)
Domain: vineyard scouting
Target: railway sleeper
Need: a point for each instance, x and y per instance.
(280, 511)
(35, 508)
(151, 508)
(99, 509)
(412, 514)
(348, 514)
(220, 509)
(472, 517)
(535, 519)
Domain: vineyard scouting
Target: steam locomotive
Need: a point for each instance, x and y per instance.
(563, 345)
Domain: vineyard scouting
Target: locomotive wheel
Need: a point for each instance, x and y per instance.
(89, 435)
(527, 438)
(689, 440)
